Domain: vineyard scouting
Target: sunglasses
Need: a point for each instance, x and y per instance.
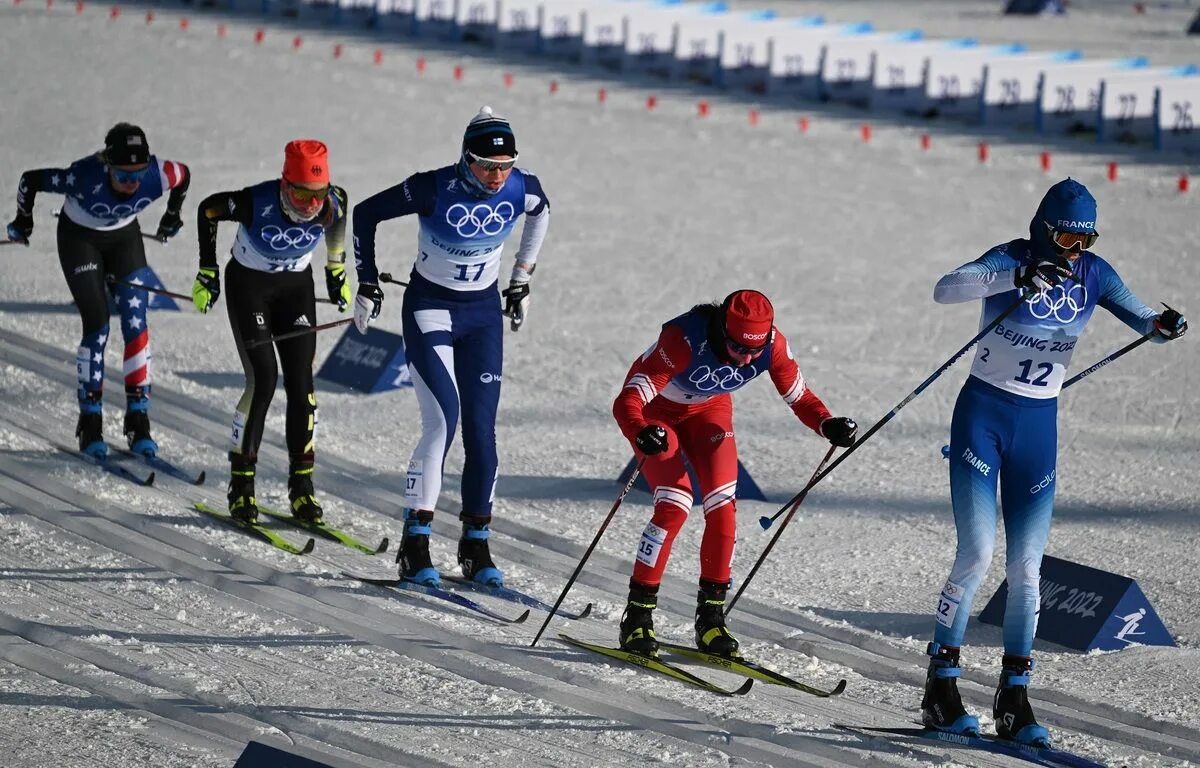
(1072, 241)
(744, 350)
(122, 176)
(487, 164)
(303, 195)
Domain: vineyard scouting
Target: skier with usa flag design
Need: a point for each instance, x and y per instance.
(676, 403)
(1005, 429)
(453, 324)
(101, 253)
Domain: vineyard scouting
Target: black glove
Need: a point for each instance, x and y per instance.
(516, 302)
(652, 440)
(21, 228)
(168, 226)
(1044, 275)
(839, 430)
(1171, 324)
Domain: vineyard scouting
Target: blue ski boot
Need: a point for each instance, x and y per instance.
(90, 428)
(1014, 716)
(137, 427)
(473, 553)
(942, 708)
(415, 563)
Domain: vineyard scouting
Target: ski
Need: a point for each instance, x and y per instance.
(254, 529)
(167, 468)
(321, 529)
(750, 669)
(514, 596)
(659, 666)
(1046, 756)
(109, 466)
(441, 594)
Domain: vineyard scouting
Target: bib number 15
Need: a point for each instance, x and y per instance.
(1027, 367)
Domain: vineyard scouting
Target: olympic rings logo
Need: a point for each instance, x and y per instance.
(293, 237)
(1058, 301)
(726, 377)
(119, 211)
(480, 218)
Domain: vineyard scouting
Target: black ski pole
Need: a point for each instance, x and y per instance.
(301, 332)
(579, 568)
(151, 289)
(1127, 348)
(775, 538)
(386, 277)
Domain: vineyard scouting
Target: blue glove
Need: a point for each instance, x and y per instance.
(20, 228)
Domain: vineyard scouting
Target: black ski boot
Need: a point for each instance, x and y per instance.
(942, 707)
(137, 422)
(300, 492)
(415, 563)
(1014, 716)
(242, 505)
(90, 427)
(473, 554)
(637, 624)
(712, 636)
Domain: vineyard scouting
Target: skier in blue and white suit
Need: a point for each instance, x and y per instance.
(453, 326)
(1005, 428)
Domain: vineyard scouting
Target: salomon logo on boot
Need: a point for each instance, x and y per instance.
(942, 707)
(473, 554)
(1014, 716)
(415, 564)
(712, 636)
(637, 624)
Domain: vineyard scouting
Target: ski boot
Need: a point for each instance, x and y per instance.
(300, 492)
(712, 636)
(637, 624)
(415, 563)
(137, 426)
(473, 554)
(242, 506)
(942, 708)
(90, 428)
(1014, 716)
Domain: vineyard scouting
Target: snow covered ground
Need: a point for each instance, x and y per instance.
(134, 632)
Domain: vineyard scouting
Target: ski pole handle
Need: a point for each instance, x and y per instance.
(292, 334)
(386, 277)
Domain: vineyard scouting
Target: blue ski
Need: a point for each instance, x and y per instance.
(108, 466)
(1047, 756)
(513, 596)
(441, 594)
(167, 468)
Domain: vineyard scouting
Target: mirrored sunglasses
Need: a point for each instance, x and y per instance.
(303, 195)
(487, 164)
(123, 176)
(741, 349)
(1072, 241)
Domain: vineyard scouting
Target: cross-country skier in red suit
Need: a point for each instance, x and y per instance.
(676, 400)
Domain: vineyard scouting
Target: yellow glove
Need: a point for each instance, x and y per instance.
(337, 285)
(206, 289)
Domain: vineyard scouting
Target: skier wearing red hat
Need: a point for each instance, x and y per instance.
(676, 400)
(269, 287)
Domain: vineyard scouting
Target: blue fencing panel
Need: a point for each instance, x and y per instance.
(1088, 609)
(746, 487)
(371, 363)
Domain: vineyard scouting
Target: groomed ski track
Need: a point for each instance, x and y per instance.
(569, 702)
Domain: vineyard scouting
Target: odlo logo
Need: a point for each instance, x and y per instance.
(1045, 482)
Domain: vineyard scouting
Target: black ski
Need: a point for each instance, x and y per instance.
(108, 466)
(441, 594)
(326, 531)
(750, 669)
(167, 468)
(515, 596)
(256, 530)
(659, 666)
(1047, 756)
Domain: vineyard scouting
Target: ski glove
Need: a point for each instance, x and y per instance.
(21, 228)
(653, 440)
(168, 226)
(1170, 325)
(206, 289)
(367, 305)
(516, 296)
(839, 431)
(1044, 275)
(337, 286)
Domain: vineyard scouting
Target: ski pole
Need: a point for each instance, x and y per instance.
(579, 568)
(386, 277)
(778, 533)
(1127, 348)
(301, 332)
(141, 287)
(766, 522)
(12, 242)
(161, 240)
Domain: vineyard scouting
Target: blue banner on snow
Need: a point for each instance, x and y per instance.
(371, 363)
(259, 755)
(1088, 609)
(746, 487)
